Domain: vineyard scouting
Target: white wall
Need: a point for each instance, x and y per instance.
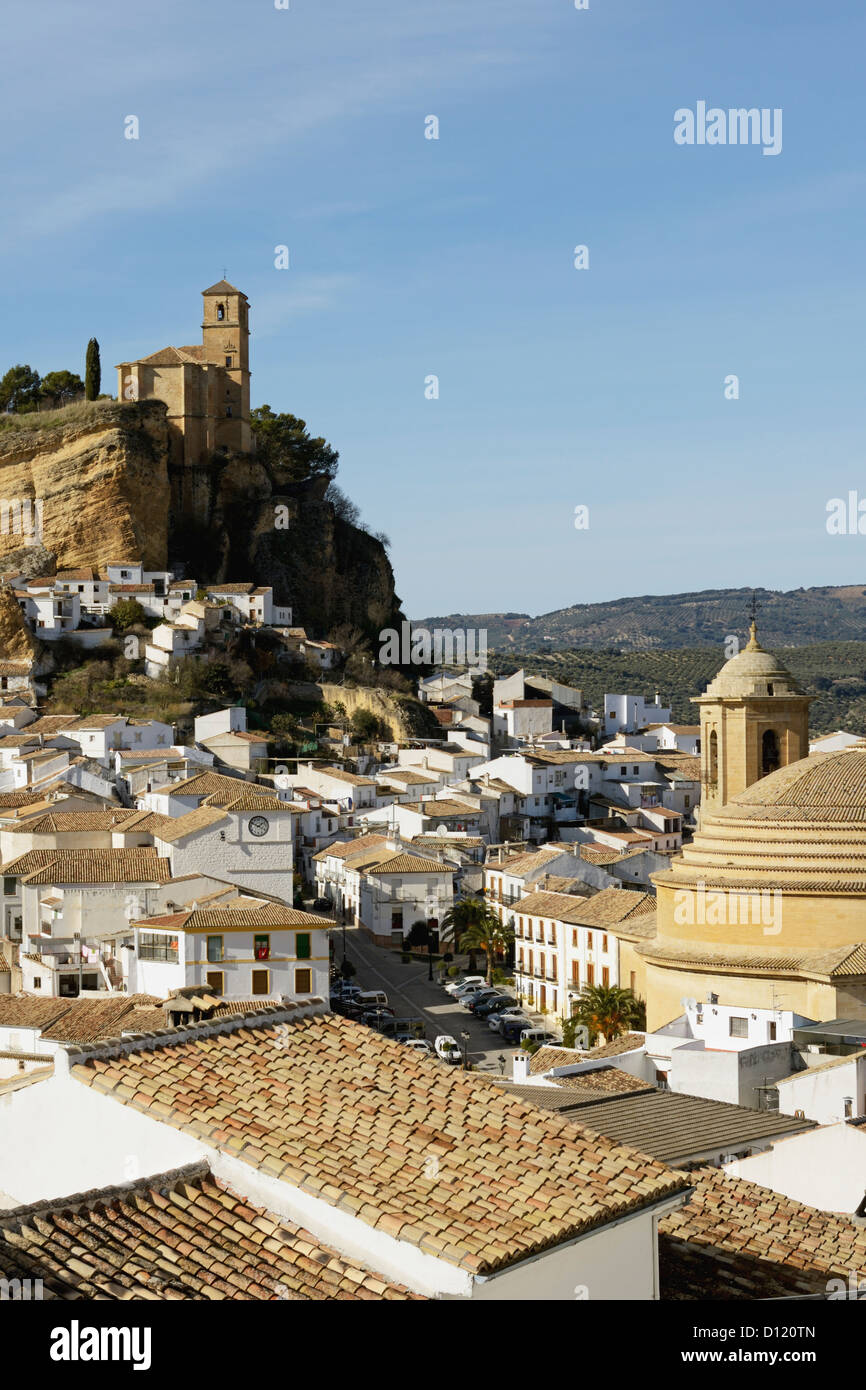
(821, 1091)
(222, 721)
(263, 864)
(59, 1137)
(825, 1168)
(616, 1262)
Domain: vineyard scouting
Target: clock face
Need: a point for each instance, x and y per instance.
(259, 826)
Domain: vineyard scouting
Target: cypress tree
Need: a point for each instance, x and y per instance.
(92, 371)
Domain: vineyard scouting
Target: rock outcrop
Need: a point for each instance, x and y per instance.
(16, 641)
(103, 485)
(100, 482)
(404, 716)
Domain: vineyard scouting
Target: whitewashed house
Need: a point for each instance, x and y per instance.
(291, 1149)
(399, 890)
(831, 1089)
(629, 713)
(74, 902)
(247, 949)
(249, 604)
(233, 719)
(243, 838)
(522, 721)
(347, 790)
(171, 642)
(248, 752)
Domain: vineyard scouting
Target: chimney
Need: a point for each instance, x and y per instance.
(520, 1068)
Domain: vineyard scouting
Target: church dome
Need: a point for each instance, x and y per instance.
(753, 671)
(802, 827)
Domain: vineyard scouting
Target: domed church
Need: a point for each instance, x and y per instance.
(766, 908)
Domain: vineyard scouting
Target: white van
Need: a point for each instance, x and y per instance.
(372, 999)
(538, 1035)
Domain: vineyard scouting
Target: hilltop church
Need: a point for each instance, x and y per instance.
(206, 386)
(766, 907)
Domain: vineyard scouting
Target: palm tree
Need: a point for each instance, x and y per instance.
(607, 1010)
(459, 918)
(486, 933)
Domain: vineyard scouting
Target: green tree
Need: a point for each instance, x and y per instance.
(284, 442)
(92, 371)
(607, 1011)
(284, 724)
(127, 613)
(365, 725)
(59, 388)
(19, 390)
(344, 508)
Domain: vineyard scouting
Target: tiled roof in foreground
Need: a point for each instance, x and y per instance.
(179, 1235)
(352, 1118)
(734, 1239)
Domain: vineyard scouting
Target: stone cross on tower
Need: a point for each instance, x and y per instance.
(753, 616)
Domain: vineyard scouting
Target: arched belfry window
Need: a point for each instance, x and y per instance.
(221, 311)
(770, 758)
(713, 761)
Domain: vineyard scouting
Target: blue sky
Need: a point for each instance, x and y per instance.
(412, 257)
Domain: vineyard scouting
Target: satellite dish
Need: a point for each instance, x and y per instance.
(689, 1004)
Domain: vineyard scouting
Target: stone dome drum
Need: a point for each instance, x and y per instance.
(802, 827)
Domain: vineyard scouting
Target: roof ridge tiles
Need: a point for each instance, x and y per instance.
(12, 1216)
(76, 1054)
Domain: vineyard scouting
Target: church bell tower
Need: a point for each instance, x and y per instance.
(226, 344)
(754, 719)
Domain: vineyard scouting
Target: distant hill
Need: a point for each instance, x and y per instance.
(833, 672)
(701, 619)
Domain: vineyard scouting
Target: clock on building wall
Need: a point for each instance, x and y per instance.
(259, 826)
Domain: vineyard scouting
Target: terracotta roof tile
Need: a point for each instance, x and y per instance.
(64, 821)
(734, 1239)
(40, 866)
(349, 1116)
(180, 1235)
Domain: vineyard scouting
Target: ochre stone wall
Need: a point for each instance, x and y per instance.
(103, 483)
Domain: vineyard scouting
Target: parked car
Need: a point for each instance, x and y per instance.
(448, 1049)
(322, 905)
(373, 998)
(402, 1027)
(463, 983)
(467, 986)
(496, 1022)
(372, 1018)
(467, 1000)
(492, 1006)
(513, 1027)
(538, 1035)
(418, 1045)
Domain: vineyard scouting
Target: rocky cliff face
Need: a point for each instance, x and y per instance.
(100, 482)
(16, 641)
(104, 487)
